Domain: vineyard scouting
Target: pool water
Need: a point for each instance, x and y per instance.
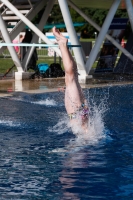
(41, 159)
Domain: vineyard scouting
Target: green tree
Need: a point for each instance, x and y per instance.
(87, 30)
(98, 16)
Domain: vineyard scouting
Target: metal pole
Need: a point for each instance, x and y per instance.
(102, 34)
(35, 37)
(124, 51)
(30, 3)
(7, 39)
(30, 24)
(129, 7)
(73, 36)
(54, 57)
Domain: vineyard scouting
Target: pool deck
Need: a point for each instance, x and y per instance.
(8, 85)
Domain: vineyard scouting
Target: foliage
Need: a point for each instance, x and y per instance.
(87, 30)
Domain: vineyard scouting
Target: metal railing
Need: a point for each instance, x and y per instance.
(43, 52)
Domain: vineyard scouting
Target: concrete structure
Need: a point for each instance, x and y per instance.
(23, 11)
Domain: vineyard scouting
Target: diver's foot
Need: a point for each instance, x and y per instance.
(59, 37)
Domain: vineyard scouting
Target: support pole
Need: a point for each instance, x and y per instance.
(129, 7)
(7, 39)
(30, 3)
(101, 36)
(114, 42)
(35, 37)
(73, 37)
(30, 24)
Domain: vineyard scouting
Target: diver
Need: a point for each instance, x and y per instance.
(75, 102)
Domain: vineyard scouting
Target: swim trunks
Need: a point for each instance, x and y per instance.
(82, 111)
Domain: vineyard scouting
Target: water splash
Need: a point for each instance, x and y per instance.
(9, 123)
(62, 126)
(95, 133)
(46, 102)
(96, 128)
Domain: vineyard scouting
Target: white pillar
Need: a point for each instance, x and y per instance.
(35, 37)
(18, 85)
(102, 34)
(114, 42)
(7, 39)
(39, 41)
(73, 37)
(30, 25)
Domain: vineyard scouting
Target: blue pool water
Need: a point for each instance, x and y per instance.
(41, 159)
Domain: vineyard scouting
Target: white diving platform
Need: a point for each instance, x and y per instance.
(23, 11)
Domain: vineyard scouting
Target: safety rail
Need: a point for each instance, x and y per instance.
(43, 52)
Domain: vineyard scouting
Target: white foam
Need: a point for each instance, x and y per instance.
(95, 131)
(47, 102)
(9, 123)
(62, 126)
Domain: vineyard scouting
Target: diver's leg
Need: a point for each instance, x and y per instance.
(73, 94)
